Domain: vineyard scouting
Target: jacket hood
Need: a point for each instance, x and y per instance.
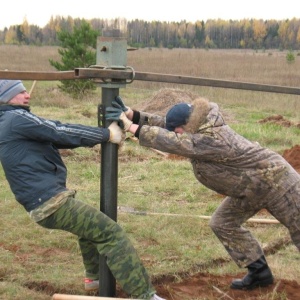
(204, 115)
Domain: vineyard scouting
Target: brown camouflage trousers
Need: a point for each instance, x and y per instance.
(232, 213)
(98, 234)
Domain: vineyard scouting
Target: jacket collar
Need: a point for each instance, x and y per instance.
(7, 107)
(204, 115)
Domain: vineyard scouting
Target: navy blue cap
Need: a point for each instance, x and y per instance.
(178, 115)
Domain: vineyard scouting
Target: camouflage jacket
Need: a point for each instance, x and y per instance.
(222, 160)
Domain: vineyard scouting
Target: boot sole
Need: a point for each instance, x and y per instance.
(262, 283)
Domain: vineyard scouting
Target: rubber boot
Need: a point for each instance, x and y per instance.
(259, 274)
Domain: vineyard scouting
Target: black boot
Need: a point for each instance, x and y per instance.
(259, 274)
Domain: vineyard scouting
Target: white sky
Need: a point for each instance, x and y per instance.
(39, 12)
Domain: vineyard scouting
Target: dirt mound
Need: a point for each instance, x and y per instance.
(276, 119)
(279, 120)
(164, 99)
(293, 157)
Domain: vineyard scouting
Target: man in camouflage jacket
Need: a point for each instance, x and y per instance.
(250, 176)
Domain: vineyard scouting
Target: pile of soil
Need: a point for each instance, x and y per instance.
(279, 120)
(164, 99)
(292, 156)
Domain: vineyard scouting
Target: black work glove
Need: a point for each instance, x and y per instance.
(117, 114)
(118, 103)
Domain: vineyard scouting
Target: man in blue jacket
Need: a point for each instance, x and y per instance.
(29, 154)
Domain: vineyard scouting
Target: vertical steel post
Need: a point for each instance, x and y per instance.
(112, 54)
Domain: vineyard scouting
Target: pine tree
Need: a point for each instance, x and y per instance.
(78, 50)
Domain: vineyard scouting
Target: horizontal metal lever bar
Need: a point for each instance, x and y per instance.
(25, 75)
(93, 73)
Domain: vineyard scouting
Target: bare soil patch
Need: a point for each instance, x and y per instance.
(292, 155)
(207, 286)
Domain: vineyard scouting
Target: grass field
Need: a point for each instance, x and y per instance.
(35, 262)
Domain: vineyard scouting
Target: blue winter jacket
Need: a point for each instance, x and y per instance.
(29, 152)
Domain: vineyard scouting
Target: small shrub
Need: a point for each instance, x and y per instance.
(290, 57)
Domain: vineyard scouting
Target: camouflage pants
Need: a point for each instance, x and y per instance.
(98, 234)
(232, 213)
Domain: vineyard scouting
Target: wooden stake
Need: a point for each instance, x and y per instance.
(144, 213)
(164, 154)
(32, 87)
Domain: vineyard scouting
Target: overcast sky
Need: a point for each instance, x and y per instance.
(39, 12)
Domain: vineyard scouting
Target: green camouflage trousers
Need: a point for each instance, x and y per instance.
(232, 213)
(98, 234)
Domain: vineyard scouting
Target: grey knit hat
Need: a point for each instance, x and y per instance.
(9, 89)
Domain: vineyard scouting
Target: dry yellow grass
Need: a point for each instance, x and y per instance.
(268, 67)
(36, 262)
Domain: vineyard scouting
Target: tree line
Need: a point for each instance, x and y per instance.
(219, 34)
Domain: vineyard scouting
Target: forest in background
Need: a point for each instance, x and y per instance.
(211, 34)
